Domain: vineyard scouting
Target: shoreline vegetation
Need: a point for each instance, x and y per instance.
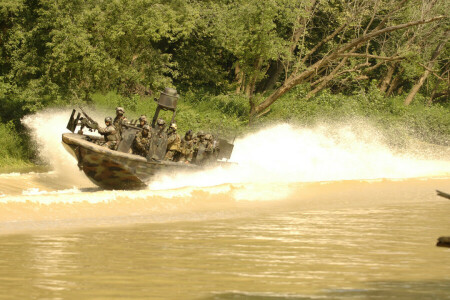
(237, 65)
(427, 127)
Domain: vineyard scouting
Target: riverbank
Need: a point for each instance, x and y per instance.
(12, 154)
(24, 167)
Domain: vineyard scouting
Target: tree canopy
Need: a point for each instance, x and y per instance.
(60, 51)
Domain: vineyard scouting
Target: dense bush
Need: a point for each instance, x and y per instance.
(398, 122)
(226, 115)
(12, 150)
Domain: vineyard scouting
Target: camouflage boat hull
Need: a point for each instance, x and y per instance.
(111, 169)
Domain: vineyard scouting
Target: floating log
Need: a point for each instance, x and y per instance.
(443, 241)
(442, 194)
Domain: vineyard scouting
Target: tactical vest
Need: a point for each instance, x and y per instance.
(175, 144)
(112, 136)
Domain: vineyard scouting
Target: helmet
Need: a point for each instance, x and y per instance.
(173, 125)
(120, 109)
(146, 127)
(208, 136)
(161, 122)
(200, 133)
(108, 119)
(143, 118)
(188, 135)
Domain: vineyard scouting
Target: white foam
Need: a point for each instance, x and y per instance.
(278, 154)
(9, 175)
(285, 153)
(37, 191)
(46, 129)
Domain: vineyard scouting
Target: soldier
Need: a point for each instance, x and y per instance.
(187, 147)
(197, 137)
(209, 148)
(141, 142)
(160, 125)
(142, 121)
(173, 143)
(119, 119)
(198, 146)
(109, 133)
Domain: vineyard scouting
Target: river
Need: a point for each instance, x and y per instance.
(333, 214)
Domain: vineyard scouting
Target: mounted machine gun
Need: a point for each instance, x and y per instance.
(85, 121)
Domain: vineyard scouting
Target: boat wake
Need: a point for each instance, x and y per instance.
(281, 162)
(285, 153)
(282, 153)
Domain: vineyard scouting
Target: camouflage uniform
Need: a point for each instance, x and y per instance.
(209, 148)
(173, 144)
(203, 149)
(110, 134)
(187, 147)
(142, 121)
(119, 120)
(141, 143)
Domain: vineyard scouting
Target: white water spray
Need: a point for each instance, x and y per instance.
(280, 154)
(284, 154)
(275, 163)
(46, 128)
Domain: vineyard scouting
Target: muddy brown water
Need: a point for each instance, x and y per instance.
(349, 239)
(293, 220)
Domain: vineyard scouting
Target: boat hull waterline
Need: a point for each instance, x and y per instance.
(111, 169)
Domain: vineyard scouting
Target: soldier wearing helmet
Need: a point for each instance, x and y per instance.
(142, 121)
(187, 147)
(109, 133)
(173, 143)
(160, 128)
(209, 149)
(198, 146)
(142, 141)
(119, 119)
(160, 123)
(199, 136)
(204, 148)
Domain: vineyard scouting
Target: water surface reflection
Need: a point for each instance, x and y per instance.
(385, 252)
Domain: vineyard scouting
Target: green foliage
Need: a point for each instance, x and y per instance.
(216, 114)
(12, 151)
(70, 49)
(222, 54)
(398, 122)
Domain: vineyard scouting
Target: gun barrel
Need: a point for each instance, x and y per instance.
(87, 116)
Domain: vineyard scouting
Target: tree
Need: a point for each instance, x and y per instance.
(315, 42)
(335, 58)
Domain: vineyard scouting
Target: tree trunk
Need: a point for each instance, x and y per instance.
(394, 85)
(251, 82)
(388, 78)
(239, 77)
(296, 79)
(326, 79)
(422, 79)
(416, 88)
(273, 76)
